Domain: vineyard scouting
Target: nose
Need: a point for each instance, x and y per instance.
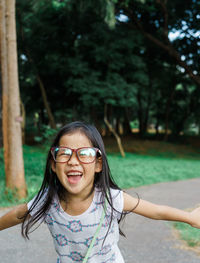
(73, 159)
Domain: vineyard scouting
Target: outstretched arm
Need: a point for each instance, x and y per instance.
(161, 212)
(13, 217)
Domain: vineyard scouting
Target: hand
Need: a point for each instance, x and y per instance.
(195, 218)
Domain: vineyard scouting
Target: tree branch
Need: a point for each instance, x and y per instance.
(168, 47)
(165, 15)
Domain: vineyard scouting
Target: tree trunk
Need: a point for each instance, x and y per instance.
(1, 134)
(149, 99)
(167, 111)
(95, 118)
(52, 122)
(46, 103)
(4, 81)
(12, 135)
(23, 124)
(126, 122)
(112, 130)
(140, 115)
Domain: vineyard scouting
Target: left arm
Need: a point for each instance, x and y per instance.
(161, 212)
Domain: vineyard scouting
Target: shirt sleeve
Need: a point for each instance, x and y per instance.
(118, 202)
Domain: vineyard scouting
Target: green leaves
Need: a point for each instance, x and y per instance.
(87, 56)
(110, 13)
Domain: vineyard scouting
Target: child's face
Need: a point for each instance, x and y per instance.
(76, 177)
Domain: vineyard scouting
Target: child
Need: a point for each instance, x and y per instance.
(80, 202)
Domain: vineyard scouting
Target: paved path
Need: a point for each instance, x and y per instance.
(147, 241)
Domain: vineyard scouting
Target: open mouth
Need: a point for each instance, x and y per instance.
(74, 177)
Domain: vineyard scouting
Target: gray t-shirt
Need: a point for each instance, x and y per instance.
(72, 235)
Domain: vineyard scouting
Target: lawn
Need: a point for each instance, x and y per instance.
(136, 170)
(188, 234)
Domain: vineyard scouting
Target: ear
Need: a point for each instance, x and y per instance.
(53, 166)
(98, 165)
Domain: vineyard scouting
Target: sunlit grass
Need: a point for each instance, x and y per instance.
(189, 234)
(34, 163)
(136, 170)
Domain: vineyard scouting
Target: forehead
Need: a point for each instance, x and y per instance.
(75, 140)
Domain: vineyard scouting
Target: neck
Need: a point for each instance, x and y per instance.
(76, 198)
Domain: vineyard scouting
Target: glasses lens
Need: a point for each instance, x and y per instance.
(62, 154)
(86, 155)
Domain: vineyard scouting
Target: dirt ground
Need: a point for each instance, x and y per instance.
(188, 147)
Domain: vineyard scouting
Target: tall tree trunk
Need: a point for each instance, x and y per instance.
(12, 136)
(52, 122)
(4, 80)
(1, 134)
(46, 103)
(23, 124)
(95, 118)
(112, 130)
(126, 122)
(167, 111)
(143, 112)
(140, 114)
(149, 98)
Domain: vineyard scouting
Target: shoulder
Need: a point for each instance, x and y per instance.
(116, 193)
(130, 202)
(116, 196)
(117, 200)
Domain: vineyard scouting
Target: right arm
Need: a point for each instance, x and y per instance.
(13, 217)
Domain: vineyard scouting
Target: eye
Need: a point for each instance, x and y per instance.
(63, 151)
(67, 151)
(87, 152)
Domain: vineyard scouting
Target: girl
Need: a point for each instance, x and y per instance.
(80, 202)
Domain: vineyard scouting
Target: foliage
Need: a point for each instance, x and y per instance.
(85, 62)
(47, 135)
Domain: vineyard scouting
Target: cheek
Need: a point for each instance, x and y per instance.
(89, 170)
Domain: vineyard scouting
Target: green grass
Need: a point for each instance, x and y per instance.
(34, 163)
(188, 234)
(135, 170)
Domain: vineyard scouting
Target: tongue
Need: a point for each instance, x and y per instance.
(74, 179)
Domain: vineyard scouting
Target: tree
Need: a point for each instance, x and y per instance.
(154, 19)
(12, 135)
(84, 64)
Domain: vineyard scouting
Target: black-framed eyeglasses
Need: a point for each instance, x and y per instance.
(85, 155)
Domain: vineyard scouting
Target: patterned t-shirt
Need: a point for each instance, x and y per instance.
(72, 235)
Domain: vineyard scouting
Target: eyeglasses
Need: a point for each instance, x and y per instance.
(84, 154)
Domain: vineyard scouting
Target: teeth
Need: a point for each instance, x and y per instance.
(74, 174)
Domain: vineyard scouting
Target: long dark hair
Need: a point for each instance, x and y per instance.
(52, 186)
